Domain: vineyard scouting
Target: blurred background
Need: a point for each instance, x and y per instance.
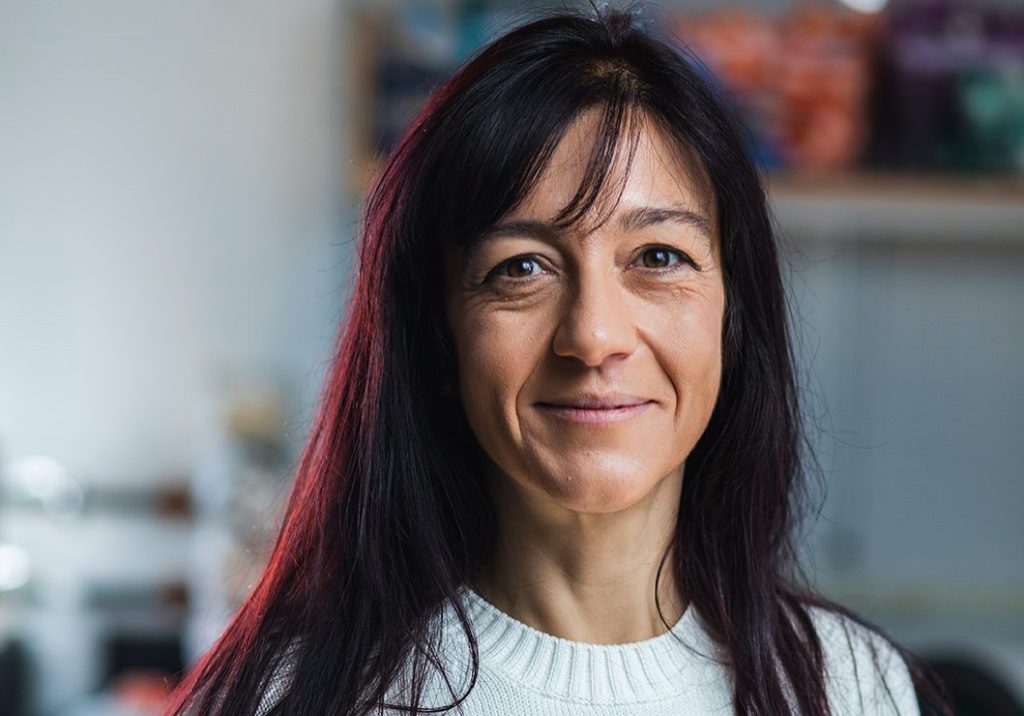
(180, 185)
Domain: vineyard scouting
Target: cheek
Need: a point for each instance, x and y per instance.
(700, 338)
(688, 340)
(497, 352)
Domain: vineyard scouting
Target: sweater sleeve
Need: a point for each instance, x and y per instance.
(865, 675)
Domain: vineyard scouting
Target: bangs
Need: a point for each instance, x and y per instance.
(600, 189)
(619, 127)
(492, 139)
(618, 134)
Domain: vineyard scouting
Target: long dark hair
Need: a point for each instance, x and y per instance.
(388, 517)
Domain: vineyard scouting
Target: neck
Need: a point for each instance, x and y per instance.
(586, 577)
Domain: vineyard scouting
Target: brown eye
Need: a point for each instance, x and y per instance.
(660, 257)
(518, 267)
(521, 267)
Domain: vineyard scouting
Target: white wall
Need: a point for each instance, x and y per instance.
(171, 213)
(172, 221)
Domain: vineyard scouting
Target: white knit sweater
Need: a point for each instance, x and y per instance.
(525, 672)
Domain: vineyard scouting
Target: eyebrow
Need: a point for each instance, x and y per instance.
(631, 220)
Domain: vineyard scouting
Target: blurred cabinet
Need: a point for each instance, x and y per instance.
(907, 299)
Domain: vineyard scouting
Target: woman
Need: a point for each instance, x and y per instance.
(557, 464)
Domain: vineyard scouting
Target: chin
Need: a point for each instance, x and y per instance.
(596, 488)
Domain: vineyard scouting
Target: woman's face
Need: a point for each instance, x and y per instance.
(553, 329)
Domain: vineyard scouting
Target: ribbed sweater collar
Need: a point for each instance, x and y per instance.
(668, 664)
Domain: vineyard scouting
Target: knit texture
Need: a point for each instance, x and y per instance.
(525, 672)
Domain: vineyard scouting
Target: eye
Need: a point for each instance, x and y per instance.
(663, 257)
(516, 267)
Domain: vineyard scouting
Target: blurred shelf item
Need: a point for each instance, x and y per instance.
(14, 677)
(925, 86)
(113, 597)
(934, 209)
(41, 483)
(934, 187)
(801, 81)
(239, 488)
(948, 89)
(171, 502)
(361, 40)
(365, 170)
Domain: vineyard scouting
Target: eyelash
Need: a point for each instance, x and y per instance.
(683, 259)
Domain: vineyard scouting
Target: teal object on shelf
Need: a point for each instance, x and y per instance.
(991, 102)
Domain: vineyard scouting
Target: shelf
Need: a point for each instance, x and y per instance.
(934, 187)
(930, 209)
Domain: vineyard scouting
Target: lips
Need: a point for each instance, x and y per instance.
(595, 401)
(596, 410)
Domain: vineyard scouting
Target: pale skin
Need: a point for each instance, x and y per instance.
(587, 509)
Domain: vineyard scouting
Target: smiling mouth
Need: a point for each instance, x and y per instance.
(595, 415)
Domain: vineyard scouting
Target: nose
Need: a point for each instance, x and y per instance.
(597, 321)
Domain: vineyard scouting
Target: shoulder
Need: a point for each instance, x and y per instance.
(864, 673)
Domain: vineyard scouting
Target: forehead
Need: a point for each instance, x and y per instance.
(656, 175)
